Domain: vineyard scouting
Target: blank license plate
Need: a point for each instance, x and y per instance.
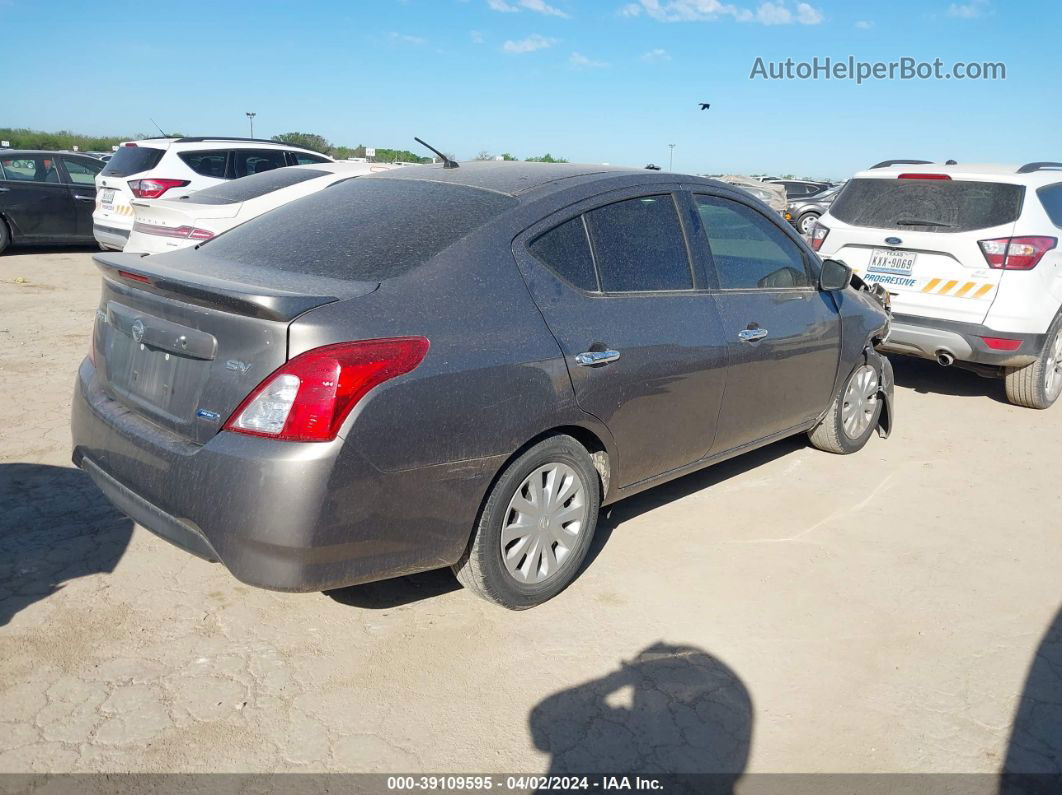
(107, 198)
(884, 260)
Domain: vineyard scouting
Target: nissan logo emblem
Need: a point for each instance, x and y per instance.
(138, 330)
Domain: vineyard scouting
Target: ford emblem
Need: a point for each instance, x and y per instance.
(893, 241)
(138, 330)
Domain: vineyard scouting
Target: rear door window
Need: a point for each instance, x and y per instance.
(931, 205)
(749, 252)
(306, 159)
(132, 160)
(206, 162)
(257, 161)
(565, 250)
(639, 246)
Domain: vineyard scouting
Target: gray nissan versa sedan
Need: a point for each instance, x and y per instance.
(459, 366)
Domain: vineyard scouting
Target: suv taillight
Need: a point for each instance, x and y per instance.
(818, 236)
(1016, 253)
(308, 398)
(154, 188)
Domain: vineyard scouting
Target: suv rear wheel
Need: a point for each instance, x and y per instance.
(535, 527)
(806, 222)
(1038, 385)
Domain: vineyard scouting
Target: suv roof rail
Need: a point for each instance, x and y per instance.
(199, 138)
(1029, 168)
(887, 163)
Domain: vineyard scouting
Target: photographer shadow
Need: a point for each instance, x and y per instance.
(671, 711)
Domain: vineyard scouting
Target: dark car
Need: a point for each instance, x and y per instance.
(800, 188)
(803, 213)
(47, 197)
(458, 367)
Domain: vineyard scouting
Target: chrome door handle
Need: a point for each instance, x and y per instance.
(752, 334)
(4, 190)
(81, 198)
(591, 358)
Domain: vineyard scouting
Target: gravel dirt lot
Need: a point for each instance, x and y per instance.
(788, 611)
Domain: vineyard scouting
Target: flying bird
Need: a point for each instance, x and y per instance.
(705, 105)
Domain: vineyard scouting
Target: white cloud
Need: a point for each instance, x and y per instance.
(768, 13)
(971, 10)
(864, 24)
(580, 61)
(538, 6)
(476, 36)
(405, 38)
(656, 56)
(530, 44)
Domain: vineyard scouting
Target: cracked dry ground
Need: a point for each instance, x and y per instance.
(786, 611)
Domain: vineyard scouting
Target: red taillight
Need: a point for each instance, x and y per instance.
(130, 144)
(1002, 343)
(1016, 253)
(182, 232)
(308, 398)
(818, 236)
(136, 277)
(153, 188)
(923, 176)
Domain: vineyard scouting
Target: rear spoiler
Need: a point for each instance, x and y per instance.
(228, 295)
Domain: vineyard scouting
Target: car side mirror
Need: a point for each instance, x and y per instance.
(834, 276)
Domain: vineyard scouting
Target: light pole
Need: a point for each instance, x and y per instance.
(250, 117)
(671, 157)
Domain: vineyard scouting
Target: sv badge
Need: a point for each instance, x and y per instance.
(237, 366)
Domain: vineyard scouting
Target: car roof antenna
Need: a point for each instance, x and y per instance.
(447, 162)
(157, 127)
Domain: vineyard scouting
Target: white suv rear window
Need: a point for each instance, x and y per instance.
(931, 205)
(132, 160)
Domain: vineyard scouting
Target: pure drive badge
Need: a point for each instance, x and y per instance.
(206, 414)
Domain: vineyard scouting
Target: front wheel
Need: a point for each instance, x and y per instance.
(853, 415)
(1038, 385)
(5, 236)
(535, 527)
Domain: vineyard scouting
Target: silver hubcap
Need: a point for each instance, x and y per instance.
(543, 523)
(860, 401)
(806, 223)
(1053, 370)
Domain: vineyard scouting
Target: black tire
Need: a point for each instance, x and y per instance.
(1028, 386)
(5, 235)
(830, 435)
(482, 569)
(806, 218)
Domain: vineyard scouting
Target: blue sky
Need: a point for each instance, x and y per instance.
(597, 81)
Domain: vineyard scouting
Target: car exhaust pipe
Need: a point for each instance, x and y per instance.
(945, 359)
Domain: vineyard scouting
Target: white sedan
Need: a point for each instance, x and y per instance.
(162, 225)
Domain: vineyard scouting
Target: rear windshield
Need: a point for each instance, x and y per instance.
(932, 205)
(245, 188)
(367, 229)
(132, 160)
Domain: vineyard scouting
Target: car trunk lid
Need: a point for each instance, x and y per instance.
(183, 348)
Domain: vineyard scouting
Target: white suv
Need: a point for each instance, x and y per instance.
(174, 167)
(970, 254)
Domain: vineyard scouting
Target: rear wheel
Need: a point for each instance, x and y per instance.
(853, 415)
(806, 222)
(535, 527)
(5, 235)
(1038, 385)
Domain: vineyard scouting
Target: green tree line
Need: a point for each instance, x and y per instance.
(23, 138)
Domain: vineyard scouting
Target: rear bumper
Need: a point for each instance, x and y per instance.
(925, 337)
(110, 236)
(279, 515)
